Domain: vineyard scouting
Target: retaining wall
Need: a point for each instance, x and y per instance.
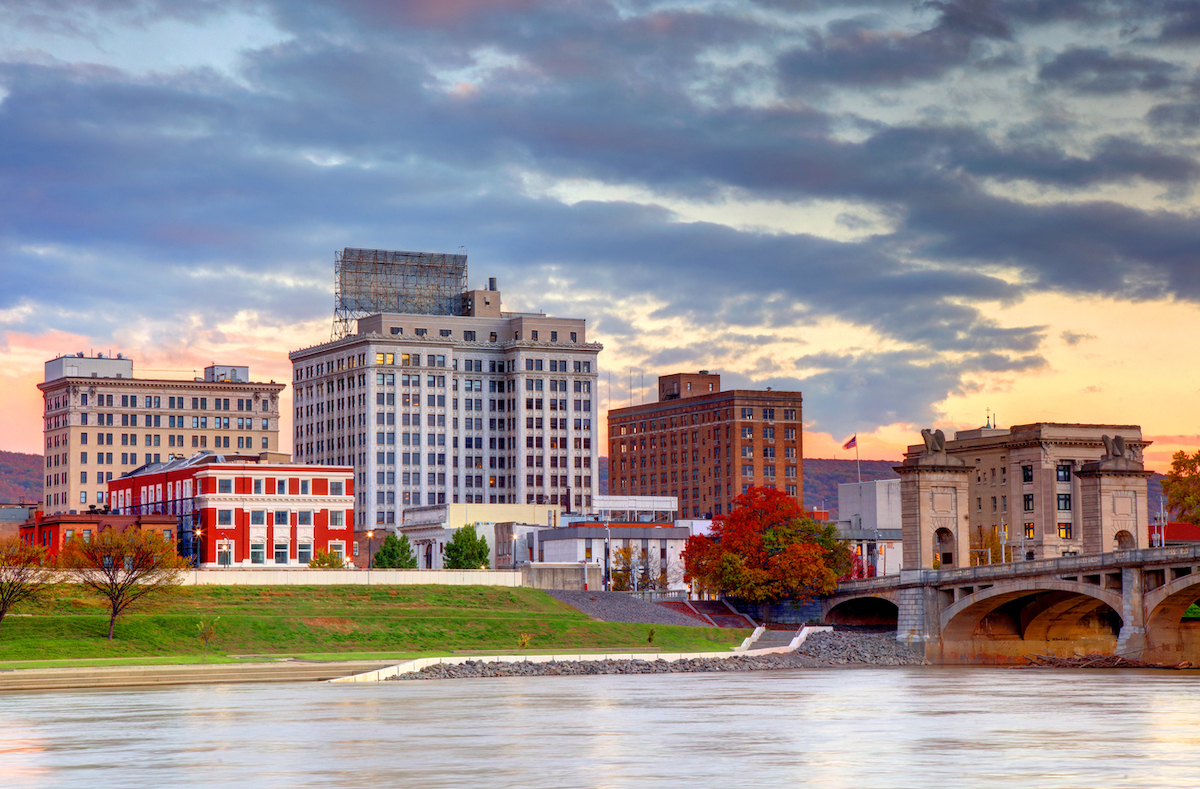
(307, 577)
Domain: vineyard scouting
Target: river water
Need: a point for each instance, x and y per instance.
(870, 728)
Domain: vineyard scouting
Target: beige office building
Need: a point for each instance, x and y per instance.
(1025, 484)
(100, 422)
(482, 407)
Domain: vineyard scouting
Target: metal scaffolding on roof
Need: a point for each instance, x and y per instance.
(370, 281)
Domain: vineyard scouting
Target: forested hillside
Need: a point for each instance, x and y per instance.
(20, 477)
(822, 477)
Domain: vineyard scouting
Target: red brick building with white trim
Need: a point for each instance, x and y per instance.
(242, 510)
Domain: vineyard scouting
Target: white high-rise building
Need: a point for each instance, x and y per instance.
(482, 407)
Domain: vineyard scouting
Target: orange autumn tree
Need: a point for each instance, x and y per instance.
(765, 550)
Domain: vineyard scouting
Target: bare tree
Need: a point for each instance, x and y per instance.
(124, 567)
(24, 574)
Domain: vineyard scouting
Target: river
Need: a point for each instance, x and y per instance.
(862, 728)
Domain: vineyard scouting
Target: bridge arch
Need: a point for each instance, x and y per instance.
(1164, 606)
(1048, 610)
(867, 609)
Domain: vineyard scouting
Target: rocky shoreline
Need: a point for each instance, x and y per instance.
(818, 651)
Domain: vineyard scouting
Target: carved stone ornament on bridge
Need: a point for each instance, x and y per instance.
(1117, 456)
(935, 452)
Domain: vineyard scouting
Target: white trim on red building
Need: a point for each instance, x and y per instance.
(231, 508)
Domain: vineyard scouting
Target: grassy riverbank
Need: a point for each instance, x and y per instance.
(321, 622)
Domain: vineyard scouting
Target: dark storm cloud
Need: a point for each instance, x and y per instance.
(198, 194)
(864, 51)
(1181, 24)
(1097, 70)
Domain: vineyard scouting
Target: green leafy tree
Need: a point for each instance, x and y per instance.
(1182, 486)
(326, 561)
(206, 630)
(466, 550)
(396, 554)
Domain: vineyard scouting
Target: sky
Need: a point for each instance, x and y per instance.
(916, 213)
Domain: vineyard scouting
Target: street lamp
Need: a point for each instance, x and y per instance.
(607, 537)
(195, 553)
(514, 550)
(370, 536)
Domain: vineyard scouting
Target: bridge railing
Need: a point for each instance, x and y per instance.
(1066, 565)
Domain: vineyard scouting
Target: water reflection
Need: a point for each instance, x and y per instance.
(825, 728)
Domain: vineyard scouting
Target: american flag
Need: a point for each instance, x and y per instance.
(852, 443)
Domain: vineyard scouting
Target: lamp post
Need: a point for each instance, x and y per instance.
(607, 537)
(514, 550)
(196, 554)
(370, 536)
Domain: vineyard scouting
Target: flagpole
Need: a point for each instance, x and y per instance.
(856, 461)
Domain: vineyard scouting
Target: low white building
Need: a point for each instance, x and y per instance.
(587, 543)
(869, 517)
(429, 528)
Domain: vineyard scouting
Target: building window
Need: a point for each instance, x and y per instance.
(1063, 472)
(1064, 501)
(1065, 532)
(1027, 473)
(304, 518)
(1029, 532)
(335, 488)
(258, 553)
(336, 519)
(224, 486)
(281, 553)
(304, 552)
(1028, 502)
(224, 517)
(258, 517)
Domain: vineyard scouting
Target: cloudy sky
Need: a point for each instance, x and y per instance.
(910, 211)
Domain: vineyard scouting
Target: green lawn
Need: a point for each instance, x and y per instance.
(326, 623)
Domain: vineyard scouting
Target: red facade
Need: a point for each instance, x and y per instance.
(242, 511)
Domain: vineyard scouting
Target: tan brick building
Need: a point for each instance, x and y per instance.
(1024, 483)
(706, 446)
(100, 422)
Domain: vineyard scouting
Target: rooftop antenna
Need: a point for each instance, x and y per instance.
(989, 418)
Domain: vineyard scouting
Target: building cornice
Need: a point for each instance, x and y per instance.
(161, 383)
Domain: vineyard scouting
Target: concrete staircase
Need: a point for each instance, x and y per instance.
(774, 638)
(722, 614)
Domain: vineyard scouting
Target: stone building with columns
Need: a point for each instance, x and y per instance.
(1046, 490)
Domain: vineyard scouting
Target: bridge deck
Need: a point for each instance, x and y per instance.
(990, 573)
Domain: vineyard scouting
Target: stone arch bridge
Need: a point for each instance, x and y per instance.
(1126, 602)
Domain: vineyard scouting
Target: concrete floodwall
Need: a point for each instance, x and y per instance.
(784, 612)
(566, 575)
(309, 577)
(411, 666)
